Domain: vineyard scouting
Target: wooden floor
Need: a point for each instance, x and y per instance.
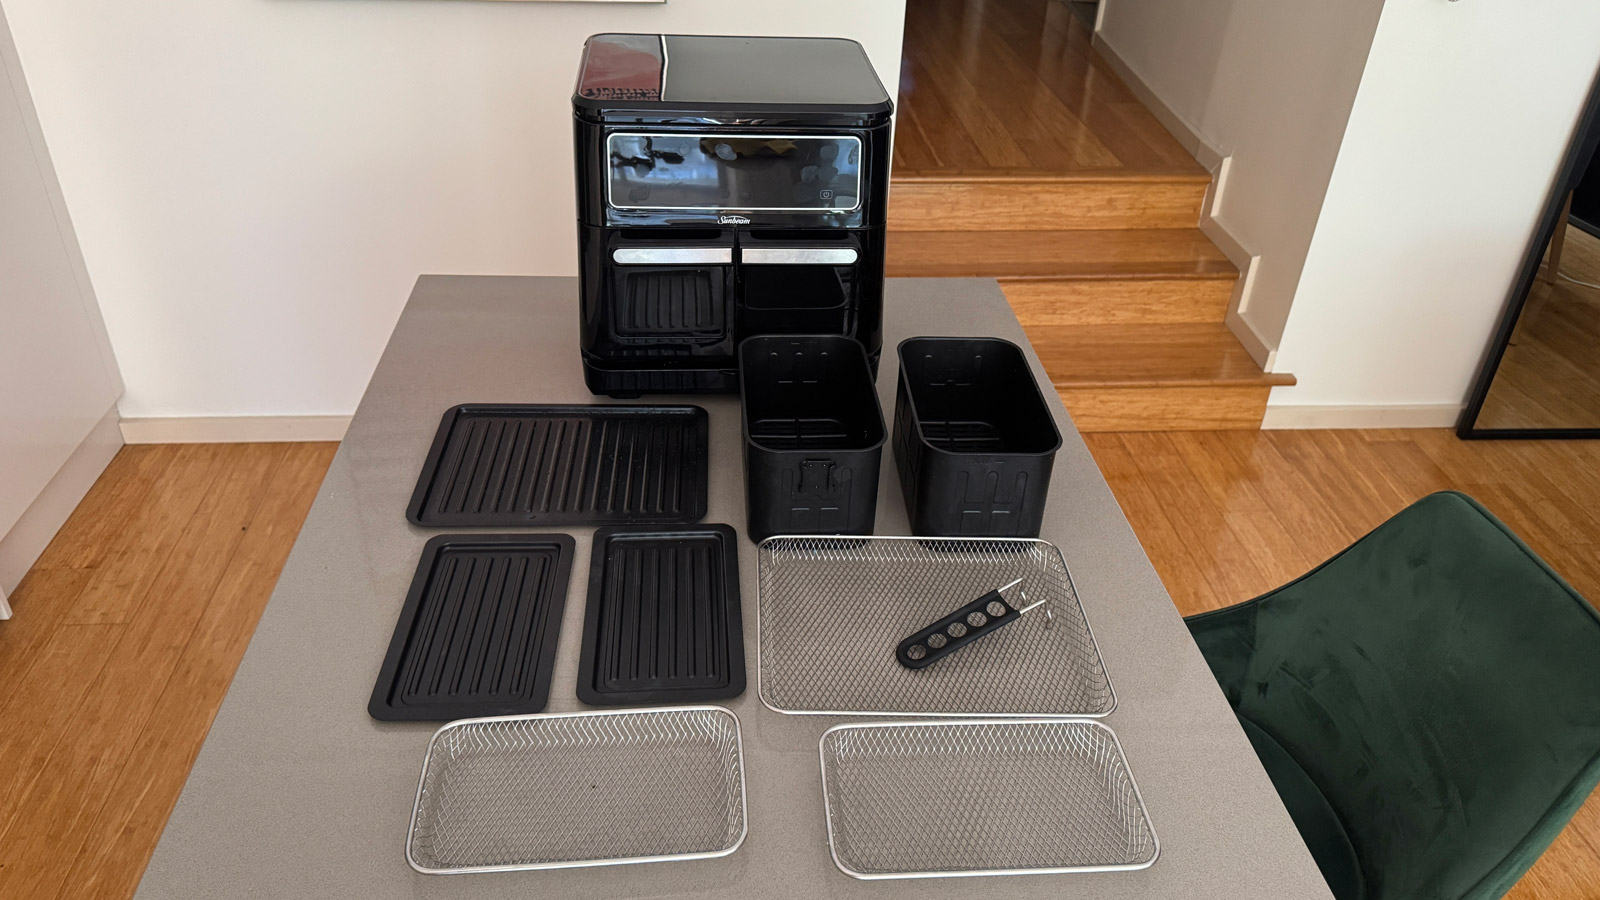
(129, 630)
(1012, 87)
(1550, 374)
(125, 637)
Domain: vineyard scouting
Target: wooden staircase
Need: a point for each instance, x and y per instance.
(1120, 293)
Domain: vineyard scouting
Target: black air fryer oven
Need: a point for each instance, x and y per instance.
(727, 186)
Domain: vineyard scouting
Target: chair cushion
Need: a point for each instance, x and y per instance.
(1319, 825)
(1439, 684)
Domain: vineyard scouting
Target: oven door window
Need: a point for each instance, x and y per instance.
(734, 172)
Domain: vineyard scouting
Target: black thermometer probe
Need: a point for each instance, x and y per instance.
(982, 616)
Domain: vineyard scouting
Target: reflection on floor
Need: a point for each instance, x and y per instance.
(129, 629)
(1550, 374)
(1012, 87)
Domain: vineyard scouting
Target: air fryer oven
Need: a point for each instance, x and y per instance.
(727, 187)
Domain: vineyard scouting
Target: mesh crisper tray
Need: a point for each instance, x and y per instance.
(519, 464)
(579, 789)
(830, 612)
(986, 797)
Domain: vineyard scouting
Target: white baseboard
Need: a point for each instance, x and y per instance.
(233, 429)
(1191, 140)
(1421, 415)
(21, 546)
(1264, 354)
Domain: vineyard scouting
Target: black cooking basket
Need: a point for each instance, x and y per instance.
(973, 439)
(813, 435)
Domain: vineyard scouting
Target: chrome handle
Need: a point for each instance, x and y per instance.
(798, 256)
(672, 256)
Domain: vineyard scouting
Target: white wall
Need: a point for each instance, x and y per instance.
(57, 378)
(257, 183)
(1461, 121)
(1269, 84)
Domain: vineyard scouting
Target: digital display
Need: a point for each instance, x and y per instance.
(734, 172)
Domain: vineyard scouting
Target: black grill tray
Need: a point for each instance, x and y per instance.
(663, 623)
(513, 464)
(477, 634)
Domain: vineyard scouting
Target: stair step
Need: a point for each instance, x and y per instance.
(1116, 253)
(1105, 409)
(1059, 202)
(1119, 301)
(1154, 377)
(1150, 355)
(1081, 277)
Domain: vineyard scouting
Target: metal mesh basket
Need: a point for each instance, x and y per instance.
(945, 799)
(830, 612)
(579, 789)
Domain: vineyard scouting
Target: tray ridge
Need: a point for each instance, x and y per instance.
(663, 622)
(673, 302)
(477, 632)
(512, 464)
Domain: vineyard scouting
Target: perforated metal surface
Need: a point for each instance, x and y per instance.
(579, 789)
(830, 612)
(945, 799)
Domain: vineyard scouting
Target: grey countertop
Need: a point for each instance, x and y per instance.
(299, 794)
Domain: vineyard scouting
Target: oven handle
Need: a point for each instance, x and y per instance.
(798, 256)
(672, 256)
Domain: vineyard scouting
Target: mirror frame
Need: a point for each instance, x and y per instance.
(1585, 139)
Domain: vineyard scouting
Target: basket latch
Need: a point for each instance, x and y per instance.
(816, 476)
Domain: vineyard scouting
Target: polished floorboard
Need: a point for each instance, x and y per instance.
(125, 638)
(128, 631)
(1013, 87)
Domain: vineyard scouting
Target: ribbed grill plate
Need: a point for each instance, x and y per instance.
(663, 622)
(477, 634)
(671, 304)
(493, 465)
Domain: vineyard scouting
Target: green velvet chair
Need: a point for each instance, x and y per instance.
(1427, 703)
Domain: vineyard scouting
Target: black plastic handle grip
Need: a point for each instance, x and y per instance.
(951, 633)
